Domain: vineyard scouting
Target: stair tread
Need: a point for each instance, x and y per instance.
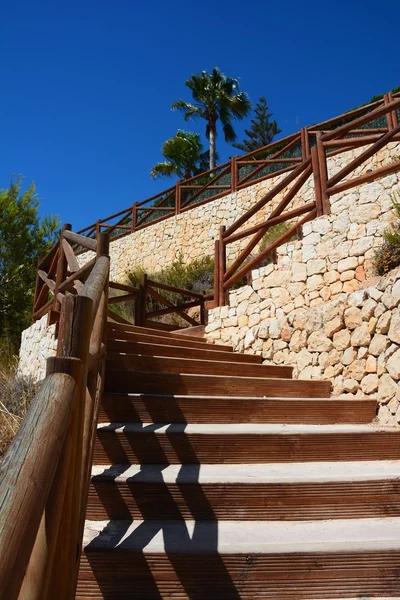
(307, 472)
(174, 334)
(242, 537)
(158, 337)
(323, 399)
(153, 349)
(245, 428)
(132, 362)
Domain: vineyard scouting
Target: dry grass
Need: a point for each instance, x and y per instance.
(16, 394)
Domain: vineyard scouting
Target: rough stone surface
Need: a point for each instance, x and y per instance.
(38, 343)
(305, 308)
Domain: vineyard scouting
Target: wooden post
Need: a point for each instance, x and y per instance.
(234, 174)
(62, 266)
(221, 265)
(178, 198)
(202, 312)
(395, 118)
(323, 173)
(74, 339)
(134, 217)
(40, 566)
(143, 301)
(38, 287)
(26, 476)
(389, 115)
(98, 227)
(216, 272)
(317, 181)
(305, 144)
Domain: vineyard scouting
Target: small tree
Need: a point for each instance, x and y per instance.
(185, 157)
(24, 238)
(262, 131)
(216, 98)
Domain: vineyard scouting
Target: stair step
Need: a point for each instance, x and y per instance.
(195, 331)
(166, 364)
(166, 335)
(154, 338)
(126, 408)
(212, 385)
(143, 348)
(302, 491)
(234, 443)
(234, 560)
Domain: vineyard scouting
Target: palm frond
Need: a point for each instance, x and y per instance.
(163, 169)
(229, 133)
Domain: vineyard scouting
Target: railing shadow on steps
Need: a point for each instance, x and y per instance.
(44, 477)
(155, 511)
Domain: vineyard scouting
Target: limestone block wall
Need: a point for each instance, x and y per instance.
(38, 343)
(334, 257)
(192, 233)
(321, 308)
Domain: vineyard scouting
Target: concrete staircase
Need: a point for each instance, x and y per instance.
(216, 477)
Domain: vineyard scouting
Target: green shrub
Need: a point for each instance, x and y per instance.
(275, 232)
(388, 255)
(197, 276)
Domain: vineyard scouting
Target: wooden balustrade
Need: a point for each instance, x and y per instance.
(313, 163)
(281, 156)
(44, 477)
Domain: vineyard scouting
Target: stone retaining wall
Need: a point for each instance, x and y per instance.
(321, 308)
(333, 259)
(191, 234)
(38, 343)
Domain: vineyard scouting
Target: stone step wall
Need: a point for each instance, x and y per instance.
(192, 233)
(321, 308)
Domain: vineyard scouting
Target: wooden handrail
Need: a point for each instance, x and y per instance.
(44, 478)
(387, 105)
(26, 475)
(80, 240)
(171, 288)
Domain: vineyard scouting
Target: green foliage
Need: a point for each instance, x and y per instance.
(262, 131)
(216, 98)
(374, 99)
(185, 157)
(274, 233)
(388, 255)
(197, 276)
(24, 238)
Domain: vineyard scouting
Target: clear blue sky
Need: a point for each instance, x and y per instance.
(86, 87)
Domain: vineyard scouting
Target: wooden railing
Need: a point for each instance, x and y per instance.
(44, 477)
(357, 132)
(241, 171)
(59, 274)
(147, 294)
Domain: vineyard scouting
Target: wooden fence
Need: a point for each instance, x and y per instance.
(59, 274)
(360, 131)
(44, 477)
(280, 157)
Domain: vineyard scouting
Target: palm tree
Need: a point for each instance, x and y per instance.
(217, 97)
(185, 157)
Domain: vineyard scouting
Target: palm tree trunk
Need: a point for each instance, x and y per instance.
(212, 145)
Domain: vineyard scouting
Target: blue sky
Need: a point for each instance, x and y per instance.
(87, 86)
